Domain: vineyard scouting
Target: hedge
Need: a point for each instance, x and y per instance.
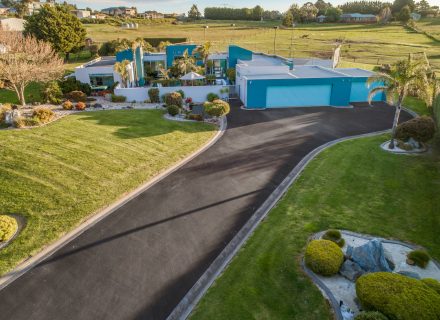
(8, 226)
(155, 41)
(217, 108)
(397, 296)
(433, 284)
(422, 129)
(335, 236)
(324, 257)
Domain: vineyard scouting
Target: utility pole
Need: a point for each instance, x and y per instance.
(291, 42)
(204, 33)
(275, 40)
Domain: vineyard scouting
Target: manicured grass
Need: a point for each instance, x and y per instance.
(368, 44)
(56, 176)
(355, 186)
(32, 93)
(417, 105)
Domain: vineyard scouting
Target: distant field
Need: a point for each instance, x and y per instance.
(430, 25)
(369, 44)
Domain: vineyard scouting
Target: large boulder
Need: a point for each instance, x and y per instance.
(351, 270)
(370, 256)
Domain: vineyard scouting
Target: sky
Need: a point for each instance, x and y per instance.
(182, 6)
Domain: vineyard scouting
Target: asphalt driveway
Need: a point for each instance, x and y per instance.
(138, 262)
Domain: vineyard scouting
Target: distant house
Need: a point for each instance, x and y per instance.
(35, 7)
(129, 26)
(120, 11)
(80, 14)
(98, 16)
(3, 10)
(358, 18)
(416, 16)
(152, 15)
(320, 18)
(12, 24)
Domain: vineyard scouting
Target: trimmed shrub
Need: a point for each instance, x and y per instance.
(43, 114)
(173, 99)
(397, 296)
(153, 94)
(8, 226)
(67, 105)
(324, 257)
(420, 257)
(212, 96)
(196, 117)
(3, 109)
(335, 236)
(421, 129)
(71, 84)
(116, 98)
(433, 284)
(80, 106)
(182, 93)
(52, 93)
(77, 96)
(371, 315)
(173, 110)
(217, 108)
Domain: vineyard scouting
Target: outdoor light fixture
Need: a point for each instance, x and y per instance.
(275, 40)
(204, 32)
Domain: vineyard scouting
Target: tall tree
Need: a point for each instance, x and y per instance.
(186, 63)
(399, 4)
(333, 14)
(288, 19)
(59, 27)
(322, 6)
(404, 14)
(396, 83)
(385, 14)
(308, 12)
(121, 69)
(257, 13)
(204, 51)
(296, 12)
(194, 13)
(26, 60)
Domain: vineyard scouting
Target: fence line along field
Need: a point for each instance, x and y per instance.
(368, 44)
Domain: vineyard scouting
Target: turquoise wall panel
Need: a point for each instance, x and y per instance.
(236, 52)
(177, 50)
(299, 96)
(360, 90)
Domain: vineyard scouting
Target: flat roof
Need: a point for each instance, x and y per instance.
(259, 59)
(286, 75)
(315, 72)
(104, 62)
(356, 72)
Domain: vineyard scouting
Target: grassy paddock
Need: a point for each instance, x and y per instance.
(353, 185)
(57, 175)
(32, 93)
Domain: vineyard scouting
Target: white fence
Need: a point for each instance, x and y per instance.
(197, 93)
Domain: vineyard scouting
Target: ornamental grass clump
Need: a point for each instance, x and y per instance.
(43, 114)
(153, 94)
(397, 296)
(8, 227)
(173, 99)
(324, 257)
(335, 236)
(217, 108)
(419, 257)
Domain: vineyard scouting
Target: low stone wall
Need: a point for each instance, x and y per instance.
(197, 93)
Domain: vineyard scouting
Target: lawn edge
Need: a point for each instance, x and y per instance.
(185, 307)
(30, 263)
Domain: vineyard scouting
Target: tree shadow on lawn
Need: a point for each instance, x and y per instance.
(142, 123)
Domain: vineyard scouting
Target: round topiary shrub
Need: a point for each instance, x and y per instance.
(8, 227)
(43, 114)
(67, 105)
(212, 96)
(173, 110)
(433, 284)
(174, 99)
(397, 296)
(335, 236)
(421, 129)
(324, 257)
(419, 257)
(371, 315)
(80, 106)
(153, 94)
(217, 108)
(77, 96)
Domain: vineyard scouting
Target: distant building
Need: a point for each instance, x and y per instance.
(98, 16)
(358, 18)
(35, 7)
(129, 26)
(320, 19)
(416, 16)
(3, 10)
(151, 15)
(80, 14)
(120, 11)
(12, 24)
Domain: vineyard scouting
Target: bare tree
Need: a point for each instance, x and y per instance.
(24, 59)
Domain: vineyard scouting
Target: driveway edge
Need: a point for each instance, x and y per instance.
(30, 263)
(195, 294)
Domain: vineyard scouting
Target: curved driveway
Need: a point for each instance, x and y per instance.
(138, 262)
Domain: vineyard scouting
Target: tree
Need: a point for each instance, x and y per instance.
(399, 4)
(385, 14)
(257, 13)
(163, 45)
(365, 7)
(322, 6)
(308, 12)
(194, 13)
(185, 63)
(121, 69)
(296, 12)
(26, 60)
(288, 19)
(333, 14)
(404, 14)
(59, 27)
(396, 83)
(204, 51)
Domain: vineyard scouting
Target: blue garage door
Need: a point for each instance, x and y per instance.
(360, 90)
(298, 96)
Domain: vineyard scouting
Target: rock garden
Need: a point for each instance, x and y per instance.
(373, 278)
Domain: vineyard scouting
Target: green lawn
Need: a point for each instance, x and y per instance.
(368, 44)
(57, 175)
(417, 105)
(353, 185)
(32, 93)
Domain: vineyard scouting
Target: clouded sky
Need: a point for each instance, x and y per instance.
(180, 6)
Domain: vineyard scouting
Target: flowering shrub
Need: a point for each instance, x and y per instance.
(43, 114)
(188, 100)
(67, 105)
(80, 106)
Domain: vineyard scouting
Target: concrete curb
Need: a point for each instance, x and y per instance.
(94, 219)
(194, 295)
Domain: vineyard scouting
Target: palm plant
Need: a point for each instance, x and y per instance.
(396, 83)
(185, 63)
(164, 73)
(122, 70)
(204, 51)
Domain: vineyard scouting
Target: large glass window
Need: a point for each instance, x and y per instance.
(99, 80)
(152, 68)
